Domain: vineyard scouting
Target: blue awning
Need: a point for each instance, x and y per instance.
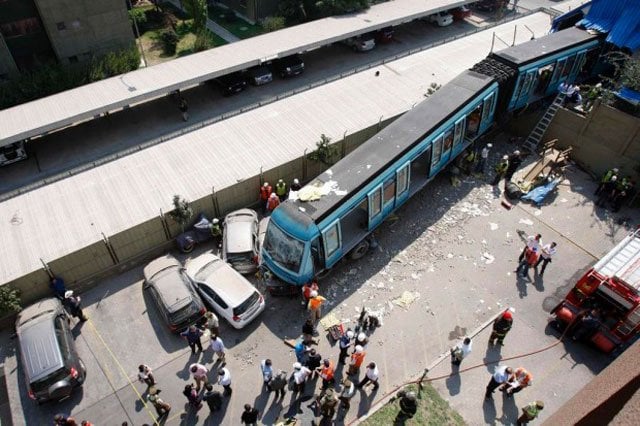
(620, 18)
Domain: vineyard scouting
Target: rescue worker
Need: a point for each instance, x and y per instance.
(592, 95)
(345, 344)
(73, 304)
(357, 358)
(532, 242)
(529, 261)
(272, 203)
(501, 327)
(501, 169)
(606, 178)
(326, 373)
(468, 161)
(348, 390)
(484, 154)
(621, 193)
(307, 288)
(530, 412)
(408, 406)
(295, 185)
(514, 162)
(216, 230)
(606, 191)
(281, 190)
(521, 379)
(328, 402)
(315, 306)
(265, 193)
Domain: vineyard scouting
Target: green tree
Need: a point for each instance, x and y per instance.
(182, 211)
(9, 300)
(338, 7)
(325, 152)
(626, 74)
(292, 10)
(198, 11)
(273, 23)
(202, 41)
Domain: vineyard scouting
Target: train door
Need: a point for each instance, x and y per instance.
(332, 241)
(420, 170)
(581, 58)
(488, 107)
(403, 178)
(557, 73)
(436, 155)
(529, 81)
(447, 144)
(458, 137)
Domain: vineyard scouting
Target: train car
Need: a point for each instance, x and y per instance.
(337, 211)
(534, 70)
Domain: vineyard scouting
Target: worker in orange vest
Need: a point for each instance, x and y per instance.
(272, 203)
(265, 193)
(326, 373)
(520, 379)
(315, 306)
(357, 358)
(307, 288)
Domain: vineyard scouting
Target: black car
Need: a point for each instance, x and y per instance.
(231, 84)
(289, 66)
(174, 293)
(259, 75)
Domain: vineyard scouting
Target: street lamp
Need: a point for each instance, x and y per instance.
(135, 25)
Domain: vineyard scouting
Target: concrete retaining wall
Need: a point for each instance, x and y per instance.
(112, 254)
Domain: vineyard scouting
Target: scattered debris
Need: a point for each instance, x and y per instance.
(406, 299)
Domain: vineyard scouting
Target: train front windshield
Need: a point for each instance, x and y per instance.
(283, 249)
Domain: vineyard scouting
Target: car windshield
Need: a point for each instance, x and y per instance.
(43, 384)
(184, 313)
(283, 249)
(242, 308)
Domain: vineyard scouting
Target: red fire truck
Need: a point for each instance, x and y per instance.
(604, 305)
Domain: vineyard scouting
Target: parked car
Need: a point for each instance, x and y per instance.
(50, 361)
(259, 75)
(13, 152)
(173, 292)
(231, 84)
(385, 35)
(240, 240)
(441, 19)
(361, 43)
(224, 290)
(289, 66)
(460, 13)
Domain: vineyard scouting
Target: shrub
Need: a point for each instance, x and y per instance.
(139, 16)
(325, 152)
(202, 41)
(169, 42)
(9, 300)
(182, 211)
(273, 23)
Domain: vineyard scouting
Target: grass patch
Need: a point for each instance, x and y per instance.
(238, 27)
(432, 410)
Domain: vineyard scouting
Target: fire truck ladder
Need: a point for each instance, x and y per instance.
(534, 138)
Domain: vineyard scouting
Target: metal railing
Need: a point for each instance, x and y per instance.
(172, 135)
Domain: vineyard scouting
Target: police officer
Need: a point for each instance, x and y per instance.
(216, 230)
(606, 178)
(501, 169)
(514, 162)
(295, 185)
(530, 412)
(281, 190)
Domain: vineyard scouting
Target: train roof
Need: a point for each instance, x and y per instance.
(533, 50)
(365, 162)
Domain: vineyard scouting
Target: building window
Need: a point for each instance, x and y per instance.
(61, 26)
(20, 28)
(73, 59)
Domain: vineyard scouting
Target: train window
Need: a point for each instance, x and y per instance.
(457, 134)
(516, 93)
(437, 151)
(488, 106)
(558, 70)
(448, 140)
(332, 238)
(473, 122)
(389, 191)
(568, 65)
(375, 202)
(544, 77)
(581, 58)
(402, 179)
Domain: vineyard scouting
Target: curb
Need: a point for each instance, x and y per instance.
(382, 402)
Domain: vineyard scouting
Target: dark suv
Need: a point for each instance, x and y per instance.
(174, 293)
(289, 66)
(231, 84)
(50, 362)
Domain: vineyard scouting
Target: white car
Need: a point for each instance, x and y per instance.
(225, 290)
(441, 19)
(240, 240)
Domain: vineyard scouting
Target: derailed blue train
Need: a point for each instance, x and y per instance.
(306, 238)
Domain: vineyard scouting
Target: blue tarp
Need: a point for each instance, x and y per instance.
(537, 194)
(629, 95)
(619, 18)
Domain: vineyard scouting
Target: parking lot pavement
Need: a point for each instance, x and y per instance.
(444, 265)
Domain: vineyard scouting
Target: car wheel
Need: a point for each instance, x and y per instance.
(360, 250)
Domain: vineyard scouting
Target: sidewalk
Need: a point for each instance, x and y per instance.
(211, 25)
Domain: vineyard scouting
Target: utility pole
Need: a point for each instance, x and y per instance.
(135, 26)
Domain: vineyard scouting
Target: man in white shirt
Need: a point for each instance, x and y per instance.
(267, 372)
(500, 376)
(371, 375)
(224, 378)
(548, 251)
(532, 242)
(460, 351)
(300, 374)
(484, 154)
(218, 348)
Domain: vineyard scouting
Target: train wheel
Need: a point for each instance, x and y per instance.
(360, 250)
